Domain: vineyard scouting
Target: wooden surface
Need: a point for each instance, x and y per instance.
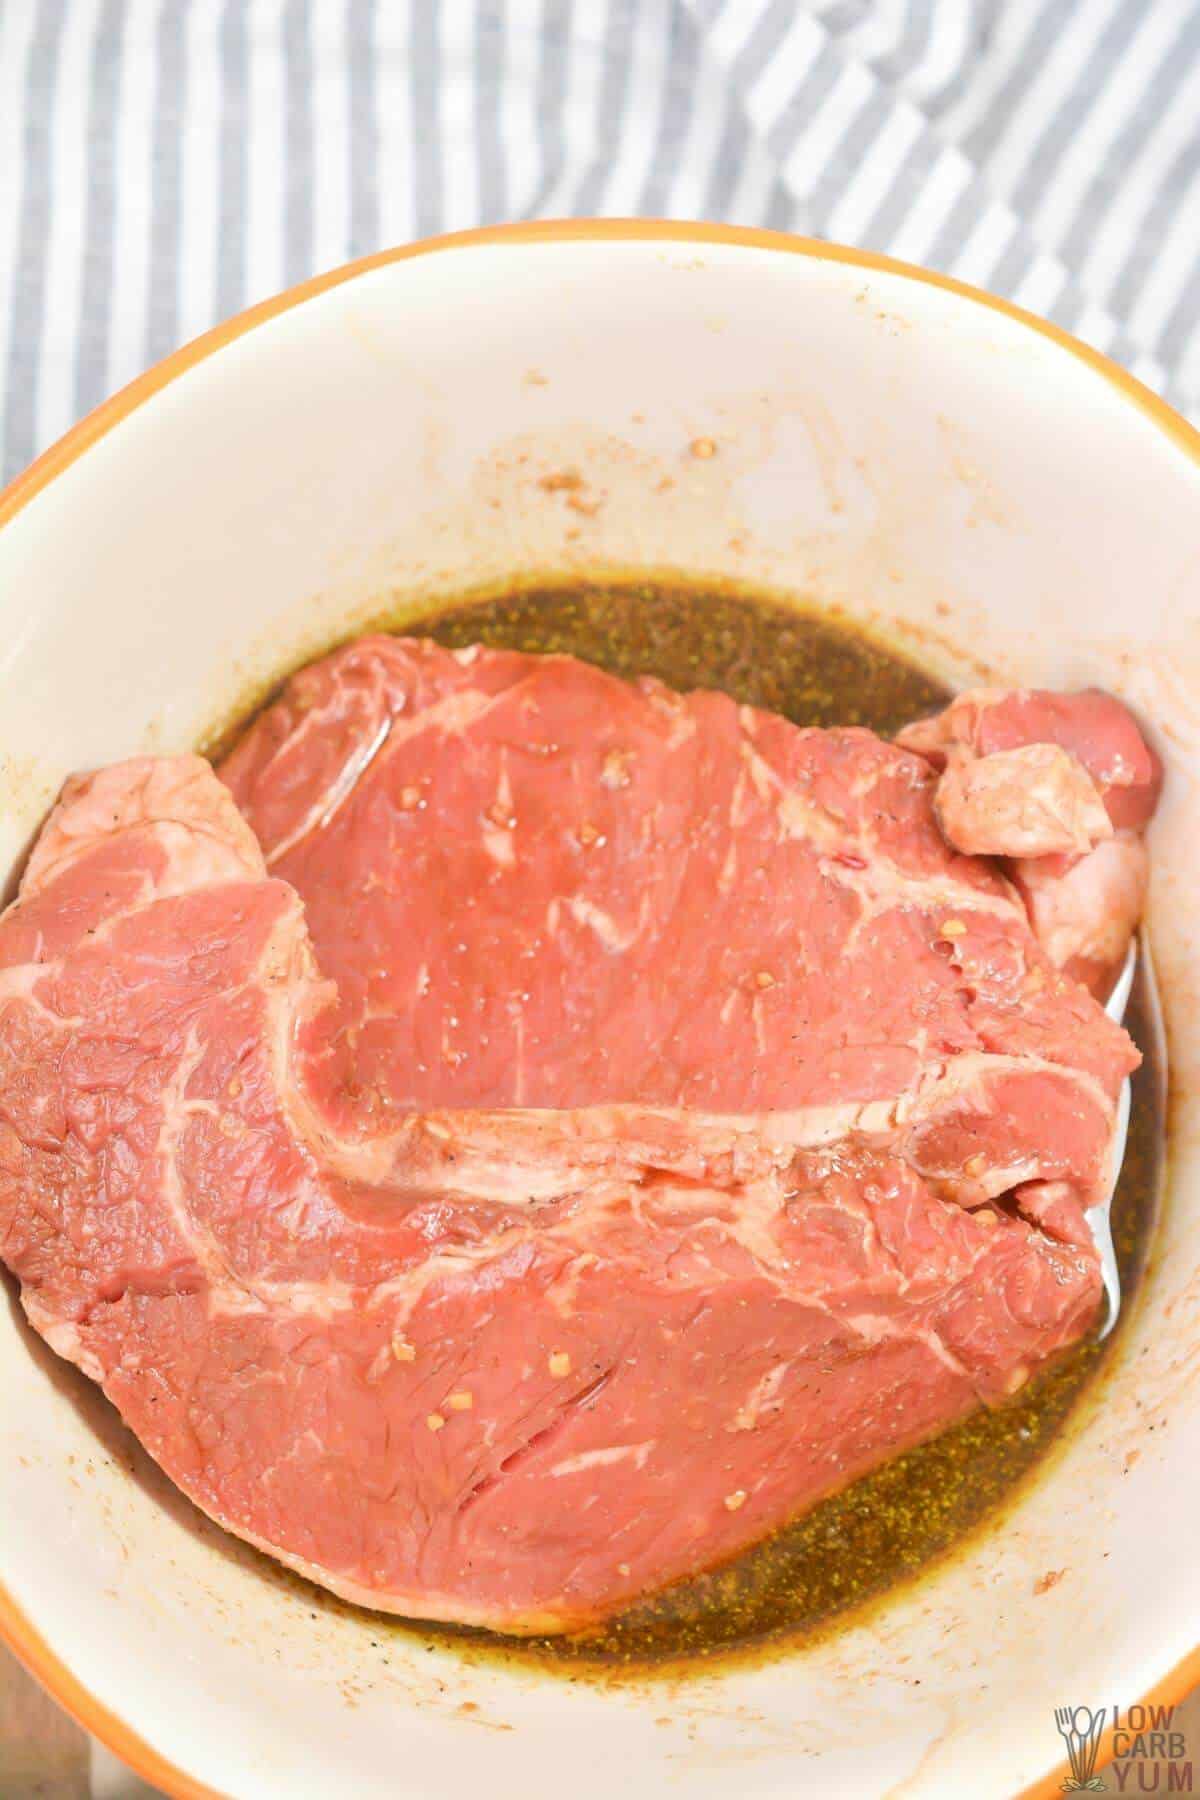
(45, 1756)
(42, 1752)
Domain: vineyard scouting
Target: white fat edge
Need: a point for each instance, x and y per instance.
(873, 1329)
(614, 939)
(798, 818)
(758, 1012)
(134, 797)
(637, 1454)
(498, 837)
(498, 844)
(762, 1397)
(226, 1292)
(337, 793)
(967, 1072)
(195, 859)
(453, 715)
(673, 707)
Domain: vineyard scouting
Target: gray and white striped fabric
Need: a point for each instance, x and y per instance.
(165, 162)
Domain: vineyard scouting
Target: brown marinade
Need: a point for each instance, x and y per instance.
(892, 1524)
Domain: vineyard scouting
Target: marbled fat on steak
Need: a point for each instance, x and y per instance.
(521, 1137)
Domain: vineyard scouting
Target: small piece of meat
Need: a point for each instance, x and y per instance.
(1053, 1206)
(544, 1136)
(1060, 787)
(1036, 801)
(1093, 726)
(1084, 910)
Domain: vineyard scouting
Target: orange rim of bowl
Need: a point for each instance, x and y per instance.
(16, 1629)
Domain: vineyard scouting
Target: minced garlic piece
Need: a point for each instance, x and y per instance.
(559, 1364)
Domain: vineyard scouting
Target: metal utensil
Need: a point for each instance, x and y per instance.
(1099, 1216)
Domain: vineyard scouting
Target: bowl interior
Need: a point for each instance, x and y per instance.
(927, 463)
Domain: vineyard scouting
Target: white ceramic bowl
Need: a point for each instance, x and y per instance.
(931, 461)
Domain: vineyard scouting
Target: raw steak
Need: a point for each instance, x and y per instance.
(1062, 787)
(546, 1134)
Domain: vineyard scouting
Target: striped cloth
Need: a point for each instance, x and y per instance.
(166, 162)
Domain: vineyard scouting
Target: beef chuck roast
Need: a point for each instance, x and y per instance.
(545, 1134)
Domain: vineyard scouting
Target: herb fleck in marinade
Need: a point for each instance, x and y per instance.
(891, 1524)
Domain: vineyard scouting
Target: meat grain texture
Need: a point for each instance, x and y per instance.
(518, 1137)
